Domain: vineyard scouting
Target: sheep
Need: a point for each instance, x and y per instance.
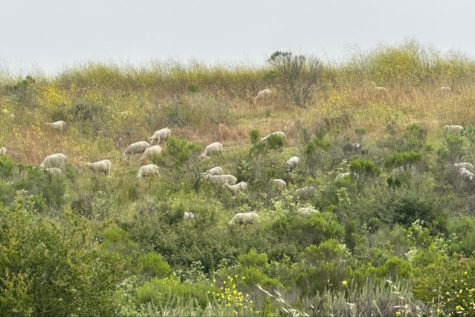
(292, 163)
(234, 189)
(149, 152)
(137, 147)
(221, 179)
(54, 170)
(3, 150)
(279, 133)
(278, 184)
(263, 94)
(465, 173)
(380, 89)
(244, 218)
(342, 176)
(148, 170)
(158, 136)
(306, 211)
(453, 128)
(100, 166)
(54, 160)
(212, 148)
(213, 171)
(188, 215)
(466, 165)
(57, 125)
(443, 89)
(305, 192)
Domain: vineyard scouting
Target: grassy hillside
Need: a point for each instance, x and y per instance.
(393, 238)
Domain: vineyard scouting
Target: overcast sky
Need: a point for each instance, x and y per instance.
(52, 34)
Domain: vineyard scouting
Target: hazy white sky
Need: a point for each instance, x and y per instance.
(52, 34)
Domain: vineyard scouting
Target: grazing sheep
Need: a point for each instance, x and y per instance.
(3, 150)
(292, 163)
(465, 173)
(278, 184)
(188, 215)
(54, 170)
(213, 171)
(148, 170)
(149, 152)
(160, 135)
(234, 189)
(453, 128)
(137, 147)
(342, 176)
(100, 166)
(466, 165)
(306, 192)
(221, 179)
(244, 218)
(58, 125)
(443, 89)
(263, 94)
(380, 89)
(306, 211)
(279, 133)
(212, 148)
(54, 160)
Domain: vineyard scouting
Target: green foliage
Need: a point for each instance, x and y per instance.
(255, 136)
(180, 151)
(62, 273)
(364, 168)
(171, 293)
(6, 166)
(402, 159)
(152, 264)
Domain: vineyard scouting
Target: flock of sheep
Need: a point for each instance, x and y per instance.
(55, 163)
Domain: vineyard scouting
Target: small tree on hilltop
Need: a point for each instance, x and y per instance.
(296, 74)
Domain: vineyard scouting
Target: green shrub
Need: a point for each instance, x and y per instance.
(6, 166)
(171, 293)
(152, 264)
(403, 158)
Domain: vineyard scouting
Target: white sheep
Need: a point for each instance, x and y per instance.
(188, 215)
(244, 218)
(221, 179)
(213, 148)
(103, 166)
(306, 211)
(278, 184)
(148, 170)
(305, 192)
(279, 133)
(443, 89)
(234, 189)
(350, 175)
(149, 152)
(466, 165)
(54, 160)
(292, 163)
(378, 88)
(3, 150)
(453, 128)
(54, 170)
(213, 171)
(160, 135)
(137, 147)
(57, 125)
(263, 94)
(465, 173)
